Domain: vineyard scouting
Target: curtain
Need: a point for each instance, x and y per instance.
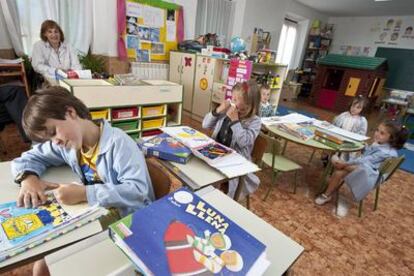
(215, 16)
(287, 43)
(11, 17)
(73, 16)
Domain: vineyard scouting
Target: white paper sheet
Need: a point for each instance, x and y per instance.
(294, 118)
(133, 9)
(153, 17)
(171, 31)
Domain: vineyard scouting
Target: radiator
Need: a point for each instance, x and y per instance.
(150, 71)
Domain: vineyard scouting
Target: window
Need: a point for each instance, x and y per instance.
(215, 16)
(287, 42)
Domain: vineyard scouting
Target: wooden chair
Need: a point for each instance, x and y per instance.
(161, 180)
(386, 170)
(277, 162)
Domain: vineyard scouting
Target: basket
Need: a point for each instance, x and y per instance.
(130, 125)
(99, 114)
(156, 110)
(124, 113)
(153, 123)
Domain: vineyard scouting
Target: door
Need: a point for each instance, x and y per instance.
(175, 67)
(352, 86)
(203, 84)
(187, 79)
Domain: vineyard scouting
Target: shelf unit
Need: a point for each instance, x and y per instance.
(317, 47)
(14, 70)
(138, 110)
(274, 75)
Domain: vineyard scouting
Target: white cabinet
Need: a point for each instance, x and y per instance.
(182, 68)
(203, 85)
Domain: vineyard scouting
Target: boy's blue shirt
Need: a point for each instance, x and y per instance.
(120, 165)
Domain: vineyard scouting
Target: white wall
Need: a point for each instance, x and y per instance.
(365, 32)
(265, 14)
(304, 16)
(5, 42)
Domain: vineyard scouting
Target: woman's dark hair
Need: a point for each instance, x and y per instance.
(251, 95)
(360, 99)
(398, 133)
(50, 24)
(49, 103)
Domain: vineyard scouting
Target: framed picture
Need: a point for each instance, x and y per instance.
(144, 33)
(144, 55)
(157, 48)
(155, 34)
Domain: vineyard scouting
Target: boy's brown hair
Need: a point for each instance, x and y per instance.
(251, 96)
(49, 103)
(50, 24)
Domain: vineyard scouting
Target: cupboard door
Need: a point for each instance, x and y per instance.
(175, 67)
(352, 87)
(187, 79)
(203, 84)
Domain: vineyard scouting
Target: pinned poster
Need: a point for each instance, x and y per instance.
(133, 9)
(171, 31)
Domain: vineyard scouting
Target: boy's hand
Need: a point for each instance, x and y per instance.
(32, 192)
(233, 114)
(70, 194)
(338, 164)
(223, 106)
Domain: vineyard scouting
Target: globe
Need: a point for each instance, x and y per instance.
(237, 45)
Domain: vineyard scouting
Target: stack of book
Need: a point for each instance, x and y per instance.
(165, 147)
(181, 234)
(25, 228)
(301, 132)
(333, 140)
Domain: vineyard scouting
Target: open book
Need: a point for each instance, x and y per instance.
(25, 228)
(181, 234)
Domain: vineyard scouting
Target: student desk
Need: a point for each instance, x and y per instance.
(9, 192)
(315, 145)
(282, 251)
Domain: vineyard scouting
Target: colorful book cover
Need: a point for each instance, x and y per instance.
(165, 147)
(188, 136)
(19, 225)
(301, 132)
(181, 234)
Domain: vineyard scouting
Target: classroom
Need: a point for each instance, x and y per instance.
(206, 137)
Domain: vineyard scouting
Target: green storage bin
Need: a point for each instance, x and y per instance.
(130, 125)
(134, 136)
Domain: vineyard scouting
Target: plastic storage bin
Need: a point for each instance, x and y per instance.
(130, 125)
(99, 114)
(156, 110)
(124, 113)
(153, 123)
(134, 136)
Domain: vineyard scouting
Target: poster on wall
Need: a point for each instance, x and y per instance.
(155, 34)
(408, 33)
(144, 55)
(132, 42)
(144, 33)
(157, 48)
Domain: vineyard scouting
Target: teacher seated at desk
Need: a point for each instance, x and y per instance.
(52, 53)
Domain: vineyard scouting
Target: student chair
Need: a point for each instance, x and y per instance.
(277, 162)
(161, 180)
(386, 170)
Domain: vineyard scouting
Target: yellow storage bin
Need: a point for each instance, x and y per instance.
(153, 123)
(99, 114)
(155, 110)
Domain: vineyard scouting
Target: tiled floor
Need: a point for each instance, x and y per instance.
(379, 243)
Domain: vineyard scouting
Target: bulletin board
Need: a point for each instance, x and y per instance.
(151, 29)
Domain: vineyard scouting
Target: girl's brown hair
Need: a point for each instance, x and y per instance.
(251, 96)
(398, 133)
(49, 103)
(50, 24)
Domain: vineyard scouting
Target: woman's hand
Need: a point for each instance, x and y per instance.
(70, 194)
(222, 108)
(233, 113)
(32, 192)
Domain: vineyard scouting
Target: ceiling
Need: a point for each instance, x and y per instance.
(361, 7)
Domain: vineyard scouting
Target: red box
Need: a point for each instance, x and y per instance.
(125, 113)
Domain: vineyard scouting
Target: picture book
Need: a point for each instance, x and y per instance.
(188, 136)
(301, 132)
(181, 234)
(24, 228)
(165, 147)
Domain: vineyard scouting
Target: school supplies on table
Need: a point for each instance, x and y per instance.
(188, 136)
(165, 147)
(25, 228)
(301, 132)
(181, 234)
(345, 145)
(330, 136)
(293, 118)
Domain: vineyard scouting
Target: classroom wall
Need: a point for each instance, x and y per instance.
(365, 32)
(304, 15)
(265, 14)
